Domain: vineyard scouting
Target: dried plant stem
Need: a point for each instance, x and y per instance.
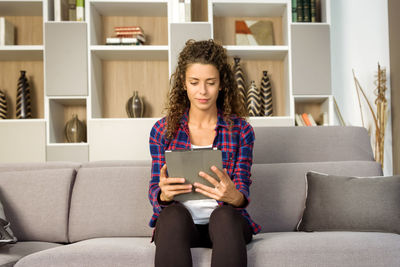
(359, 101)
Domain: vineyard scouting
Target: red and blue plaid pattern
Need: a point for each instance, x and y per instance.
(237, 153)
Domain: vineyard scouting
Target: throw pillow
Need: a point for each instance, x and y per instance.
(6, 235)
(340, 203)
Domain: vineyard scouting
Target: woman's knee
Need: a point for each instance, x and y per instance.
(175, 215)
(224, 216)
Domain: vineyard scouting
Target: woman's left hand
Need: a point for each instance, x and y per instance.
(224, 190)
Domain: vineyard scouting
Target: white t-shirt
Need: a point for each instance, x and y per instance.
(201, 209)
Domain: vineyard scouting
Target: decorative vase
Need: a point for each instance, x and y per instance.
(3, 105)
(266, 95)
(23, 98)
(253, 100)
(134, 106)
(239, 76)
(75, 130)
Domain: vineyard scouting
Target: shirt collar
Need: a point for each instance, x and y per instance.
(220, 123)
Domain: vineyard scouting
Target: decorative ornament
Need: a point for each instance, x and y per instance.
(266, 95)
(3, 105)
(23, 98)
(239, 76)
(134, 106)
(75, 130)
(253, 100)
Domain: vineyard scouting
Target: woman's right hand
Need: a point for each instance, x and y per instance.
(171, 187)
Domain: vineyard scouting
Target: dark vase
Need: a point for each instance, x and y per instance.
(75, 130)
(23, 98)
(266, 95)
(134, 106)
(3, 105)
(253, 100)
(239, 76)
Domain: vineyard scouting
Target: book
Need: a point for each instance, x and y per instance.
(7, 33)
(299, 121)
(80, 10)
(306, 119)
(61, 10)
(313, 7)
(306, 11)
(300, 10)
(188, 163)
(294, 10)
(72, 10)
(113, 41)
(325, 119)
(312, 121)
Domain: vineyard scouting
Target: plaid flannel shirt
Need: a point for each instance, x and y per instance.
(237, 152)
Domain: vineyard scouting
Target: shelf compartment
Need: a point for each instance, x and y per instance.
(120, 139)
(224, 14)
(151, 16)
(77, 152)
(61, 111)
(9, 75)
(25, 140)
(113, 83)
(277, 72)
(21, 8)
(115, 52)
(28, 29)
(21, 53)
(316, 106)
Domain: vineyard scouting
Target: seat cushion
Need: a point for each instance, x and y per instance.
(10, 254)
(328, 249)
(98, 252)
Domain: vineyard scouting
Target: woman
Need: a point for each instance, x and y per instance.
(204, 110)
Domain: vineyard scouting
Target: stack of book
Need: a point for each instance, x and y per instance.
(127, 35)
(305, 10)
(306, 119)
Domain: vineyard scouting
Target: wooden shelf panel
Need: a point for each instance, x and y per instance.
(117, 52)
(10, 72)
(21, 8)
(121, 78)
(271, 121)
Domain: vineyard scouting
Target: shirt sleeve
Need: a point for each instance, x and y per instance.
(156, 141)
(242, 172)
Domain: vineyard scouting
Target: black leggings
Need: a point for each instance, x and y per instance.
(227, 234)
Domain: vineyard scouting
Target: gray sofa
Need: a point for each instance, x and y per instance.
(97, 213)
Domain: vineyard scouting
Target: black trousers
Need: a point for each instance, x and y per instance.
(227, 234)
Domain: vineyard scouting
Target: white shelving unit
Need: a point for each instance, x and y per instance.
(112, 73)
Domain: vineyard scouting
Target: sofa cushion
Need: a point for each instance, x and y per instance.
(36, 203)
(110, 202)
(311, 144)
(327, 249)
(97, 252)
(278, 191)
(10, 254)
(342, 203)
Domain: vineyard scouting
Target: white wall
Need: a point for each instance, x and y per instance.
(360, 39)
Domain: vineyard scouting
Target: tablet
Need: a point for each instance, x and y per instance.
(188, 163)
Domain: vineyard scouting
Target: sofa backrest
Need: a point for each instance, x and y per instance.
(109, 199)
(35, 197)
(282, 157)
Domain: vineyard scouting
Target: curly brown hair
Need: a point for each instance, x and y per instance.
(228, 101)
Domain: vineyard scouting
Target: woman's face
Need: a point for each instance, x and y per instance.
(202, 86)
